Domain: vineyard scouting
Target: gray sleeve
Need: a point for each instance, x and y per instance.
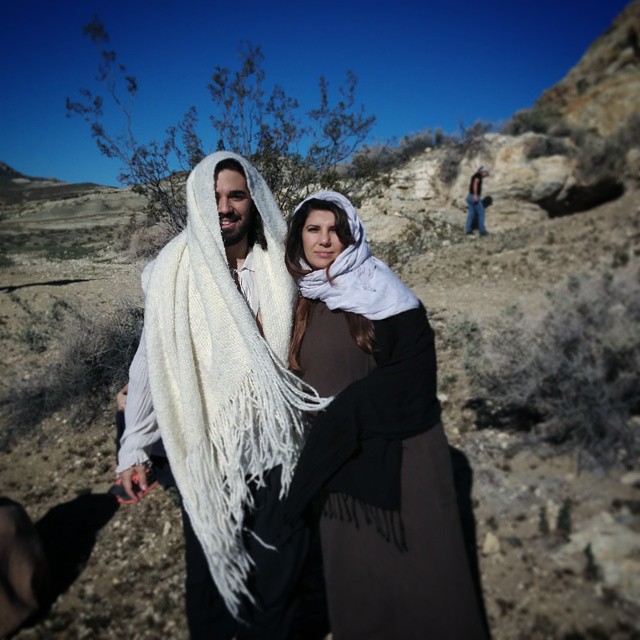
(141, 431)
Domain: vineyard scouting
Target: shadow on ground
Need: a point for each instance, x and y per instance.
(50, 283)
(463, 478)
(68, 533)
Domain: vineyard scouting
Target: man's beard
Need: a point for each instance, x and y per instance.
(231, 237)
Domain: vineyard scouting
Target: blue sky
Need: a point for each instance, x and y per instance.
(419, 64)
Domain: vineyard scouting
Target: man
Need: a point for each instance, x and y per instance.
(474, 200)
(209, 381)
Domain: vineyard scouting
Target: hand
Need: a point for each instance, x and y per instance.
(475, 198)
(121, 398)
(135, 489)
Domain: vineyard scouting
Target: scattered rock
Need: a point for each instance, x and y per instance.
(552, 514)
(491, 544)
(616, 551)
(632, 478)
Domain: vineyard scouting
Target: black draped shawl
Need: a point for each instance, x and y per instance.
(354, 447)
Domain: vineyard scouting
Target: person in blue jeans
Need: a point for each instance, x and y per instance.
(474, 200)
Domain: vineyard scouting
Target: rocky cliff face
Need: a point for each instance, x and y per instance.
(603, 89)
(533, 177)
(424, 196)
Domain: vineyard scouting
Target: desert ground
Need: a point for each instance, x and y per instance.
(118, 572)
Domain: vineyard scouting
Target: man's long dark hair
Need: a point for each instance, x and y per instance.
(360, 328)
(256, 230)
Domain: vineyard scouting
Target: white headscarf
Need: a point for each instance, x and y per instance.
(359, 283)
(227, 407)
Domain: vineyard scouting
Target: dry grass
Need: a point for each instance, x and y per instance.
(92, 357)
(602, 157)
(143, 237)
(572, 374)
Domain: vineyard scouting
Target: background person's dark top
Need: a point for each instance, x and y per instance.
(473, 177)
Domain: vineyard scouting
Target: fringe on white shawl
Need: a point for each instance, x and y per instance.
(228, 409)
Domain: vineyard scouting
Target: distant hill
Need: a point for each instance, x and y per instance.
(9, 174)
(16, 187)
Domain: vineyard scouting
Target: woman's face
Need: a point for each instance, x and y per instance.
(320, 241)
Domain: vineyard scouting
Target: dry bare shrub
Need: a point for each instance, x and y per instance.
(454, 147)
(472, 144)
(296, 151)
(144, 236)
(544, 146)
(606, 157)
(146, 241)
(572, 374)
(539, 119)
(598, 157)
(93, 354)
(450, 160)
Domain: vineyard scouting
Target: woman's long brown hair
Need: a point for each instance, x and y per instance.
(360, 328)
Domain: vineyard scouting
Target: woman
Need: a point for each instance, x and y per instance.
(377, 459)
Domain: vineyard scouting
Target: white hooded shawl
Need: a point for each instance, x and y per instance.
(227, 407)
(359, 282)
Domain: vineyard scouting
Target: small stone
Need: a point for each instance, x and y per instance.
(631, 479)
(616, 549)
(626, 517)
(166, 529)
(491, 544)
(552, 514)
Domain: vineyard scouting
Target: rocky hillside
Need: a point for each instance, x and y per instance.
(19, 190)
(533, 177)
(70, 220)
(603, 89)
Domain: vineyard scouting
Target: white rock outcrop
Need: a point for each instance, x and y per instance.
(616, 552)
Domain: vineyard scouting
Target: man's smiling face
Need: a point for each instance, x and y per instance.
(235, 207)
